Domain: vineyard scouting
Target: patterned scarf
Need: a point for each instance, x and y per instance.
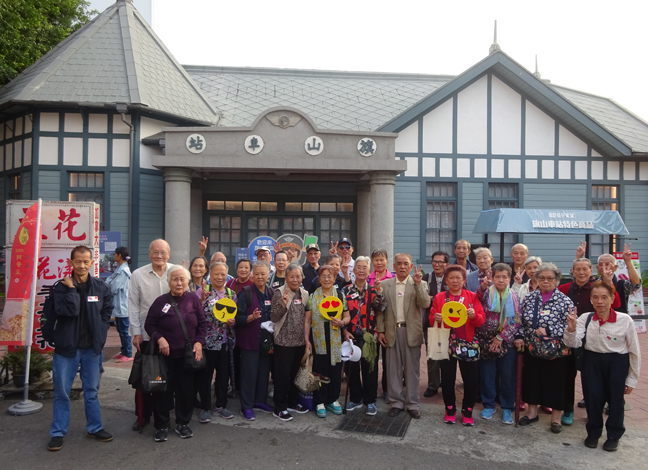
(317, 324)
(502, 305)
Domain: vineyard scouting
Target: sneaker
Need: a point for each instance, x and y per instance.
(611, 445)
(450, 415)
(183, 431)
(161, 435)
(101, 436)
(118, 357)
(204, 417)
(507, 416)
(55, 443)
(466, 417)
(591, 442)
(429, 392)
(283, 416)
(223, 413)
(371, 409)
(298, 409)
(248, 414)
(581, 404)
(335, 408)
(487, 413)
(567, 419)
(546, 409)
(353, 405)
(321, 411)
(263, 407)
(127, 359)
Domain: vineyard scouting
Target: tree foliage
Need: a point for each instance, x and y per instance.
(30, 28)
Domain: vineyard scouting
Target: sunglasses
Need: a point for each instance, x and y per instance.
(230, 310)
(344, 247)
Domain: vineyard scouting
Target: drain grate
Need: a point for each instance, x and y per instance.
(380, 424)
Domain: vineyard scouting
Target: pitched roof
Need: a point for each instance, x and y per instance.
(115, 58)
(386, 101)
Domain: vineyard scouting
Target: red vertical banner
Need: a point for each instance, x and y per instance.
(24, 259)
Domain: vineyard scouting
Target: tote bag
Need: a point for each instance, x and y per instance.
(438, 342)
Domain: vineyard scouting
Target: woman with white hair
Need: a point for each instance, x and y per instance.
(165, 328)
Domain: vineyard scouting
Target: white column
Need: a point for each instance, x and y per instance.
(197, 216)
(363, 243)
(382, 211)
(177, 213)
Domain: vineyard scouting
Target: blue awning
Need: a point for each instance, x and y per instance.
(550, 221)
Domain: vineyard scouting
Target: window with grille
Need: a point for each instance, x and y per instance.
(502, 196)
(604, 198)
(87, 187)
(441, 221)
(224, 234)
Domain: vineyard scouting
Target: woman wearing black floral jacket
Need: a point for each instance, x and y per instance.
(544, 313)
(364, 302)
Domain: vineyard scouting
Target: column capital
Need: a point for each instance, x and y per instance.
(363, 185)
(382, 177)
(180, 175)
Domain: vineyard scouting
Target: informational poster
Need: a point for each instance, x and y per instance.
(635, 301)
(289, 242)
(64, 226)
(108, 243)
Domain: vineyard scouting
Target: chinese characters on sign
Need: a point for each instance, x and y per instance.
(314, 145)
(367, 147)
(196, 143)
(568, 224)
(253, 144)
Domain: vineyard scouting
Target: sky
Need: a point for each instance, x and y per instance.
(592, 46)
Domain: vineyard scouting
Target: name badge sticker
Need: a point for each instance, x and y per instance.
(275, 284)
(297, 301)
(211, 302)
(545, 312)
(166, 308)
(355, 295)
(93, 298)
(268, 302)
(400, 294)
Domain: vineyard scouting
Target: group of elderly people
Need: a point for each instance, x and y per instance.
(287, 312)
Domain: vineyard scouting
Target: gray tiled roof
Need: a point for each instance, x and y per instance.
(334, 100)
(365, 101)
(115, 58)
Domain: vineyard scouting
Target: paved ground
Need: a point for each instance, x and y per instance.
(309, 442)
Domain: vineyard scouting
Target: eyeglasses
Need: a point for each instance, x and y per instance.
(327, 277)
(438, 263)
(158, 253)
(344, 247)
(546, 279)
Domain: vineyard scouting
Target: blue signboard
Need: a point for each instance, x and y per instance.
(241, 253)
(258, 242)
(108, 243)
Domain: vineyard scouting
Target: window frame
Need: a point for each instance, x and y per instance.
(605, 243)
(77, 189)
(424, 220)
(489, 200)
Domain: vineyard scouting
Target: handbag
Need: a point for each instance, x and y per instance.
(485, 340)
(305, 380)
(149, 371)
(438, 343)
(189, 358)
(545, 347)
(462, 349)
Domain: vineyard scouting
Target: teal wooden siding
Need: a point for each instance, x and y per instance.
(472, 203)
(118, 216)
(151, 214)
(26, 182)
(3, 212)
(558, 249)
(49, 185)
(635, 216)
(407, 219)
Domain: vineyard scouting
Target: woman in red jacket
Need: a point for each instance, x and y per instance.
(455, 277)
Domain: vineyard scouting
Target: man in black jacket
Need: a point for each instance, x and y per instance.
(436, 284)
(83, 306)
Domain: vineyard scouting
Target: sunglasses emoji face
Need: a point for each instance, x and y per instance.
(331, 307)
(454, 314)
(224, 309)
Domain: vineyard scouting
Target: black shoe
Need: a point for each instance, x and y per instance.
(394, 412)
(525, 420)
(136, 426)
(161, 435)
(591, 442)
(430, 392)
(101, 436)
(611, 445)
(55, 443)
(183, 431)
(556, 428)
(581, 404)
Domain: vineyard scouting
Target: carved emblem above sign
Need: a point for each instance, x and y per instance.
(253, 144)
(284, 119)
(314, 145)
(196, 143)
(367, 147)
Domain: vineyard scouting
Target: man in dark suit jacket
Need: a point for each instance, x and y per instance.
(436, 284)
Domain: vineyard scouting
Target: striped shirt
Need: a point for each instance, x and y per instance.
(616, 335)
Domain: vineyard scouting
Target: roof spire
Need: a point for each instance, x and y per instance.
(536, 74)
(494, 47)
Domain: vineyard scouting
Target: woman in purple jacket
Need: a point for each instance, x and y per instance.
(163, 326)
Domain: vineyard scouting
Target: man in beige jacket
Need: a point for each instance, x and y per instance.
(400, 331)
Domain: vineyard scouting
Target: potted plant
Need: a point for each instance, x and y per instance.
(15, 361)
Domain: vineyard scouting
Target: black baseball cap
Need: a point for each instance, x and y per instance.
(345, 240)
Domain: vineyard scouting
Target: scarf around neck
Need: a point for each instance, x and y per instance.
(504, 307)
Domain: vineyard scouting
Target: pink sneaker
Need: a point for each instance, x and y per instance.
(546, 409)
(118, 357)
(450, 415)
(466, 417)
(126, 359)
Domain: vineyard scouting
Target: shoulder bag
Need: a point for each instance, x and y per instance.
(463, 349)
(545, 347)
(305, 380)
(149, 371)
(190, 362)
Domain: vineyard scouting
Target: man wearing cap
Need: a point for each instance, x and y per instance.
(344, 248)
(263, 253)
(311, 266)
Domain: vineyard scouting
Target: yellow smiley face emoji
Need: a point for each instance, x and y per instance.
(331, 307)
(454, 314)
(224, 309)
